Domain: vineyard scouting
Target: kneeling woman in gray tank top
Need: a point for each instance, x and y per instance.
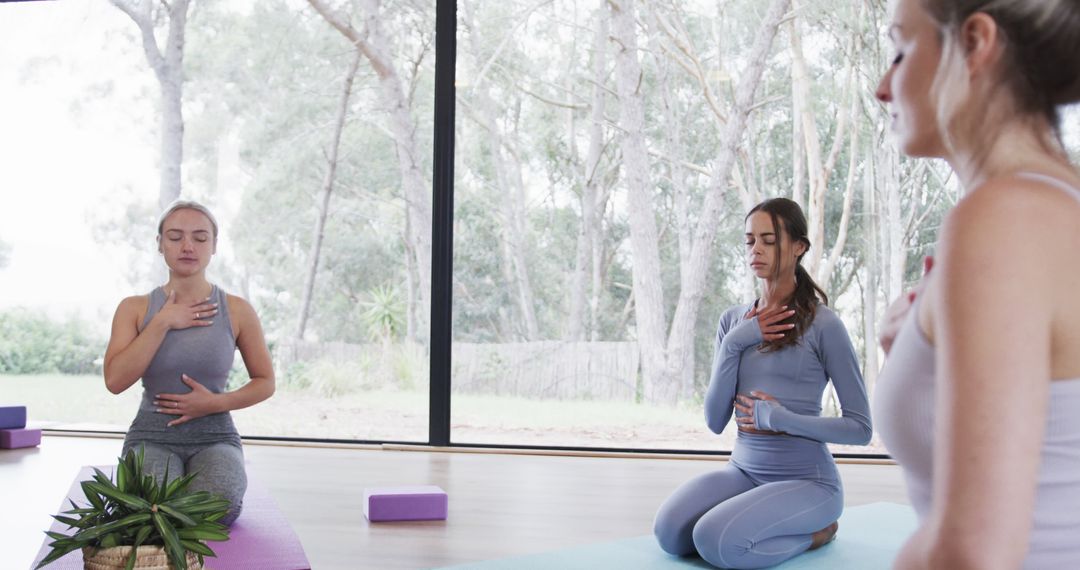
(180, 340)
(780, 494)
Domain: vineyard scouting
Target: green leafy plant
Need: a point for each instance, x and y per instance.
(383, 313)
(136, 511)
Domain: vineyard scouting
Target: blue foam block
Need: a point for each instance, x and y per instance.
(870, 536)
(12, 417)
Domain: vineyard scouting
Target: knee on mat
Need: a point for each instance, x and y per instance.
(233, 494)
(234, 513)
(671, 542)
(726, 550)
(236, 503)
(671, 535)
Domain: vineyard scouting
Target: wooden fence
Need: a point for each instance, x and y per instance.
(544, 369)
(291, 351)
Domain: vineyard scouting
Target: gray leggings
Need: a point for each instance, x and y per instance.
(220, 467)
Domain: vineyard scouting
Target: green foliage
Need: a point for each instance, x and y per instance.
(331, 379)
(134, 510)
(238, 375)
(383, 366)
(278, 99)
(31, 343)
(383, 313)
(409, 366)
(292, 376)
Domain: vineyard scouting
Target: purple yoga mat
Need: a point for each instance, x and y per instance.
(260, 539)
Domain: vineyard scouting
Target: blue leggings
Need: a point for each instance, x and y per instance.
(732, 521)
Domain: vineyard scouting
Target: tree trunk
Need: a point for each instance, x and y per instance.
(324, 203)
(513, 206)
(375, 47)
(585, 259)
(826, 271)
(599, 264)
(682, 330)
(810, 143)
(644, 242)
(663, 359)
(682, 372)
(511, 189)
(895, 242)
(172, 138)
(870, 287)
(168, 66)
(410, 289)
(819, 167)
(798, 104)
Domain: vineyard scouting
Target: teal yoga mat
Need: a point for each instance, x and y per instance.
(869, 538)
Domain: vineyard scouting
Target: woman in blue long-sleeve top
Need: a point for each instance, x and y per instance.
(780, 494)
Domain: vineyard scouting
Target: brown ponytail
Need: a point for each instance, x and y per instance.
(788, 216)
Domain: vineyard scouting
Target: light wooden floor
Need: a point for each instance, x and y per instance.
(500, 504)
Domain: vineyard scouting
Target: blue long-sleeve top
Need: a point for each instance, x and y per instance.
(795, 375)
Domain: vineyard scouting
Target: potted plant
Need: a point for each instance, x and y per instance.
(134, 520)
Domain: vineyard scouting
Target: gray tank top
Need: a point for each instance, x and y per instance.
(903, 407)
(203, 353)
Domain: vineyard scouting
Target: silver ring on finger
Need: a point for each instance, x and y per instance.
(196, 315)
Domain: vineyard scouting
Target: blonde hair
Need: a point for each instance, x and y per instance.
(187, 205)
(1041, 64)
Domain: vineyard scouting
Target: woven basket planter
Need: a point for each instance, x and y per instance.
(147, 558)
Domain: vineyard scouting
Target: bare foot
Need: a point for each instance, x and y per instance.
(823, 536)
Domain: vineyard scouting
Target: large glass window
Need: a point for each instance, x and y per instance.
(604, 169)
(313, 153)
(606, 154)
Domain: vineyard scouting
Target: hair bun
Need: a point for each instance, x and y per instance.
(1050, 52)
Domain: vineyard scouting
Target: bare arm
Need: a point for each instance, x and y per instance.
(256, 355)
(993, 309)
(129, 352)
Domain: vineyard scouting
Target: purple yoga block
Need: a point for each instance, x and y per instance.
(16, 438)
(410, 503)
(12, 417)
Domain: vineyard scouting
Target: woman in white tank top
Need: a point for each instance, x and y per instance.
(979, 400)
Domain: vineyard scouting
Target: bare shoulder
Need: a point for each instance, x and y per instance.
(1003, 236)
(1015, 203)
(134, 302)
(240, 309)
(133, 307)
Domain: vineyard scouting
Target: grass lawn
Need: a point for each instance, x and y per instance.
(82, 402)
